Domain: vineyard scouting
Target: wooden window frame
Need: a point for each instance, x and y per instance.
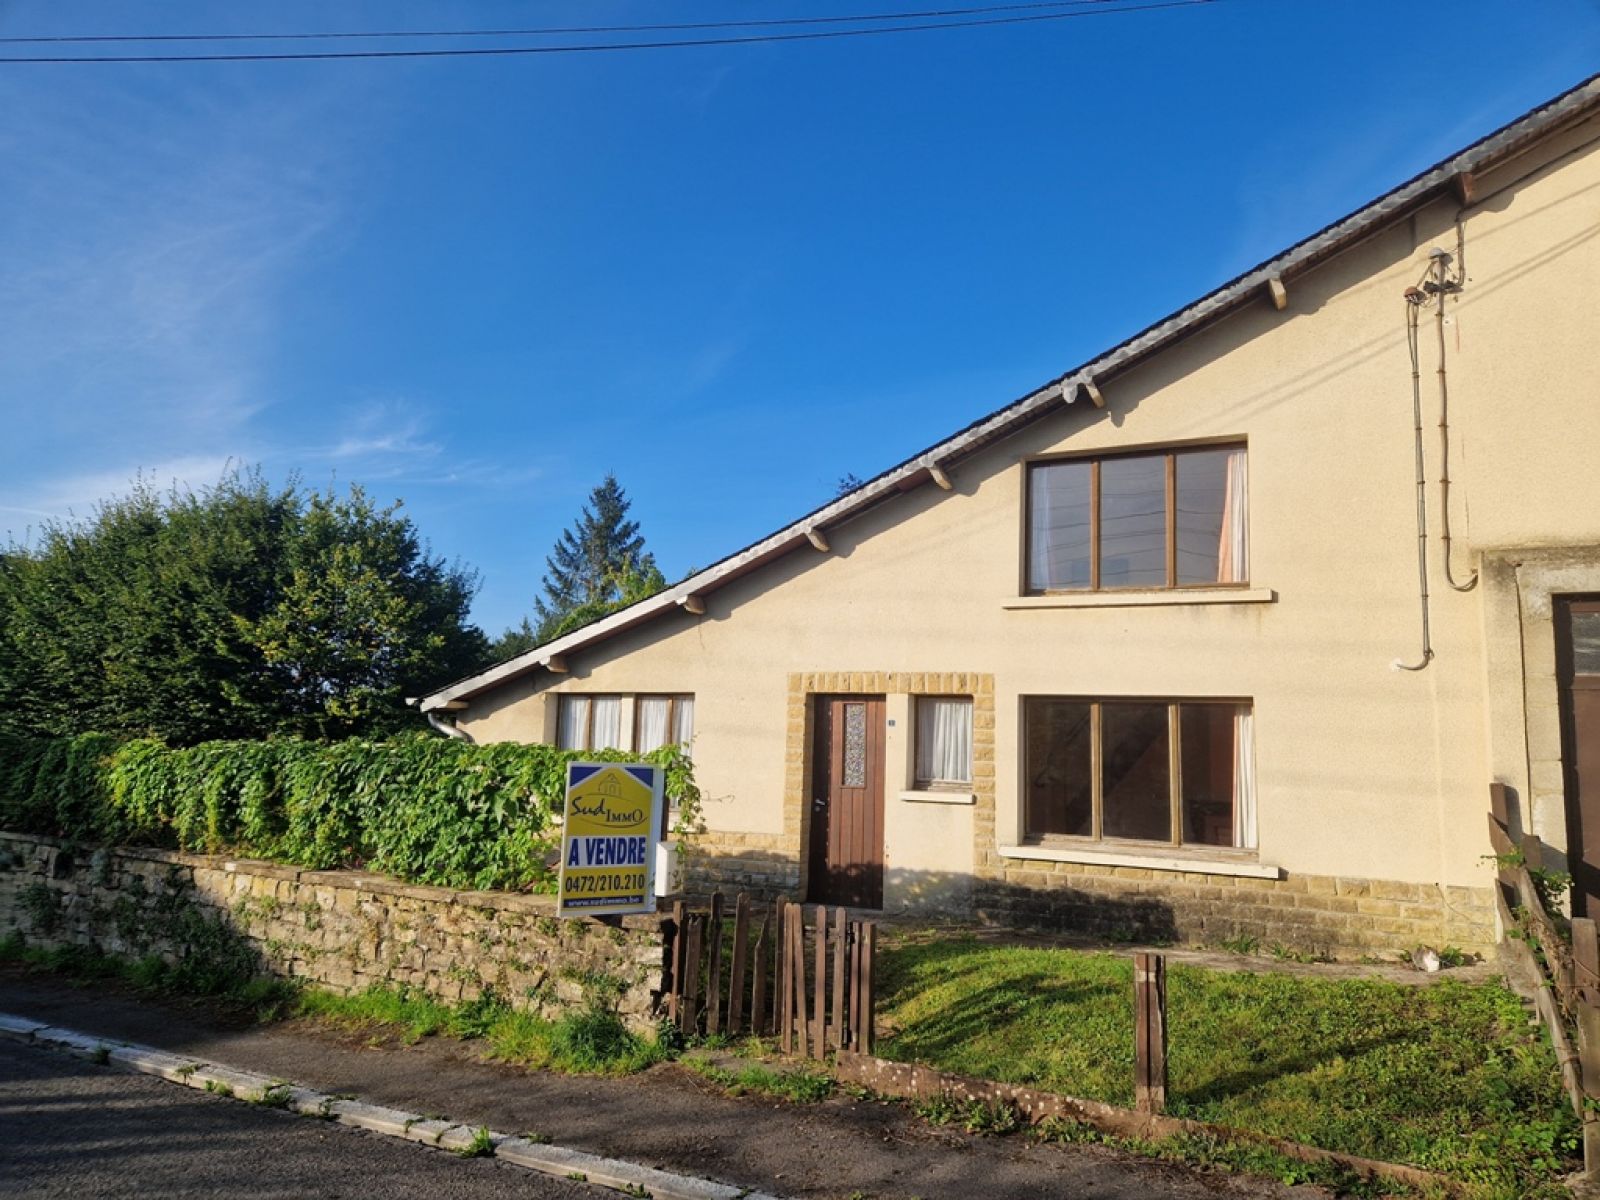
(1171, 453)
(938, 785)
(1097, 837)
(672, 699)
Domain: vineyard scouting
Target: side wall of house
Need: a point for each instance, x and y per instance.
(1371, 780)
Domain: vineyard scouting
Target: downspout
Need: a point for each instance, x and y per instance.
(447, 728)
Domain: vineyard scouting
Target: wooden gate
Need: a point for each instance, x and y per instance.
(802, 975)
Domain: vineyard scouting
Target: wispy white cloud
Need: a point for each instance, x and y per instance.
(394, 431)
(148, 235)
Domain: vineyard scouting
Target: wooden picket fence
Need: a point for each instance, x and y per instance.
(1567, 973)
(802, 975)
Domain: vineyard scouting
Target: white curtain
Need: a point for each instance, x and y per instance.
(1233, 554)
(1041, 546)
(1244, 779)
(653, 713)
(607, 724)
(572, 723)
(944, 740)
(683, 721)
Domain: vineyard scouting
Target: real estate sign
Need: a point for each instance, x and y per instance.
(609, 836)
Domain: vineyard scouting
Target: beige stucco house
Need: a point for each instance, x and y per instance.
(1178, 644)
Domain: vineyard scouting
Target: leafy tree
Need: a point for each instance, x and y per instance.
(236, 611)
(626, 586)
(597, 566)
(517, 639)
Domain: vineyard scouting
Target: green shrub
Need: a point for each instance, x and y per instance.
(425, 809)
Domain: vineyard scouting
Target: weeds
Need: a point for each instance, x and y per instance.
(797, 1087)
(992, 1118)
(589, 1041)
(481, 1145)
(263, 996)
(276, 1096)
(1243, 943)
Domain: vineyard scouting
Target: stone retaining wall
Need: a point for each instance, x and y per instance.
(343, 930)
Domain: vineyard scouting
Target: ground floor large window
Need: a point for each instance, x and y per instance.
(1180, 772)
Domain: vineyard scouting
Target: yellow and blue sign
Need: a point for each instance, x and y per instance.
(609, 837)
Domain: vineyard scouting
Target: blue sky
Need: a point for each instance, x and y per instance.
(728, 274)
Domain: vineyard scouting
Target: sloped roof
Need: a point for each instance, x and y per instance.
(1454, 173)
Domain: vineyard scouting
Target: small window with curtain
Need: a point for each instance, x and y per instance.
(1136, 770)
(589, 722)
(1169, 519)
(662, 721)
(944, 742)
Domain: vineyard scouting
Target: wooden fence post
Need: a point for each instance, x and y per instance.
(1150, 1032)
(762, 965)
(837, 1039)
(786, 964)
(1586, 1009)
(741, 935)
(797, 975)
(1586, 962)
(1532, 852)
(856, 940)
(714, 966)
(691, 977)
(863, 952)
(819, 1003)
(675, 987)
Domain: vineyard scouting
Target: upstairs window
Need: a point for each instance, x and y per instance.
(662, 721)
(1169, 519)
(944, 742)
(590, 723)
(1139, 770)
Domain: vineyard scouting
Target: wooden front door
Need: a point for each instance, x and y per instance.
(1578, 672)
(847, 802)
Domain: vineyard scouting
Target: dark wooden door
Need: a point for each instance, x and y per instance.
(1578, 668)
(847, 802)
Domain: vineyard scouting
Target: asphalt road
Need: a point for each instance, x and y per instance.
(69, 1128)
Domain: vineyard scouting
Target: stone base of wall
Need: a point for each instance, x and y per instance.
(740, 862)
(344, 930)
(1324, 913)
(1308, 913)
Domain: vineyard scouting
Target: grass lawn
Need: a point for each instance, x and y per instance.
(1450, 1076)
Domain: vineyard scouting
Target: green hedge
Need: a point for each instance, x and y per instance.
(428, 810)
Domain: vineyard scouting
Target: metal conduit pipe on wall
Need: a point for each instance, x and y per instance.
(1415, 298)
(1444, 286)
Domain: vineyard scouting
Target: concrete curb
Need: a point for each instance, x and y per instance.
(254, 1088)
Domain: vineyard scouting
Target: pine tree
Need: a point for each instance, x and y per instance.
(597, 565)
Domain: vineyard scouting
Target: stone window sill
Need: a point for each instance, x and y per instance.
(1153, 598)
(937, 796)
(1153, 862)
